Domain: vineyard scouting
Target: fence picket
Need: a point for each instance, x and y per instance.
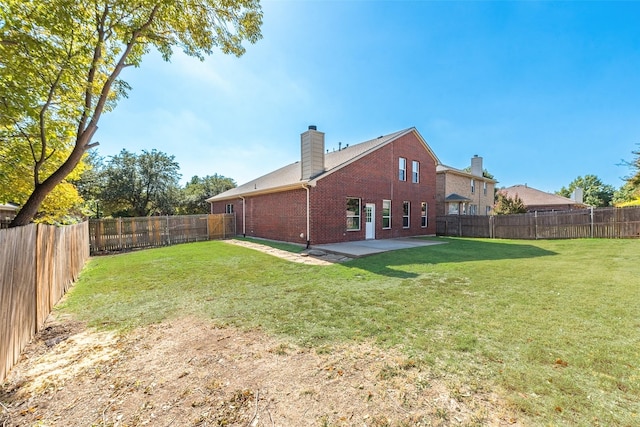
(38, 263)
(146, 232)
(576, 224)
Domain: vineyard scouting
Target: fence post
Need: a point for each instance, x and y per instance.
(535, 216)
(167, 232)
(99, 233)
(119, 229)
(591, 219)
(491, 224)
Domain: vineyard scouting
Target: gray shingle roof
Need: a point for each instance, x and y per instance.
(288, 177)
(453, 197)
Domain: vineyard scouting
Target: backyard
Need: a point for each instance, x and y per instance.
(469, 332)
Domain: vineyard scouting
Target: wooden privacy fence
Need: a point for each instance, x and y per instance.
(120, 234)
(463, 226)
(608, 223)
(38, 264)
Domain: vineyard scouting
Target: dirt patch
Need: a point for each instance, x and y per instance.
(192, 373)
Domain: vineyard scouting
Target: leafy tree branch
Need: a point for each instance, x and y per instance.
(60, 67)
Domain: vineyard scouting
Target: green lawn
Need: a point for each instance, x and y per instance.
(553, 326)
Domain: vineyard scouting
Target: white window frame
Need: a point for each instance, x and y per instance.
(424, 208)
(354, 217)
(473, 209)
(228, 208)
(406, 214)
(484, 187)
(388, 215)
(473, 186)
(402, 169)
(415, 171)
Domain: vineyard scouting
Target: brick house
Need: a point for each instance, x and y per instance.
(378, 189)
(7, 213)
(464, 193)
(539, 201)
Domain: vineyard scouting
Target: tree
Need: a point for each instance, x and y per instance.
(595, 192)
(198, 190)
(634, 180)
(60, 66)
(62, 205)
(140, 185)
(91, 183)
(629, 193)
(506, 205)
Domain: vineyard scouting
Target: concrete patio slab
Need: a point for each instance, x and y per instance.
(368, 247)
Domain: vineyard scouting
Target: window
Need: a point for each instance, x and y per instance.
(453, 209)
(473, 209)
(386, 214)
(473, 186)
(228, 208)
(402, 169)
(484, 188)
(415, 171)
(423, 214)
(405, 214)
(488, 209)
(353, 214)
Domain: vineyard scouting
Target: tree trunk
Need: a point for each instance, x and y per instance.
(40, 192)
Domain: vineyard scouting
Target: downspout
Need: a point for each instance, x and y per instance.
(244, 217)
(308, 216)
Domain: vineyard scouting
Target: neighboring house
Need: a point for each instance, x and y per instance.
(7, 213)
(378, 189)
(537, 200)
(464, 193)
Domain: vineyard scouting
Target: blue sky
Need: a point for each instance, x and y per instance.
(543, 91)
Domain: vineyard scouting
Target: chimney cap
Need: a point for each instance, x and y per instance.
(313, 127)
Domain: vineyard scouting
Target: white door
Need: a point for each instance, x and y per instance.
(370, 222)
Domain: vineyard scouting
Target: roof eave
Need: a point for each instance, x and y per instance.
(466, 174)
(426, 144)
(252, 193)
(314, 181)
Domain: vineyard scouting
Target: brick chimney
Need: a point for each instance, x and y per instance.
(476, 165)
(312, 153)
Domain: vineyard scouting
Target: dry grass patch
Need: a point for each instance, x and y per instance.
(191, 373)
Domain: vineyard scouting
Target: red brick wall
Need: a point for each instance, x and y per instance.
(372, 179)
(282, 216)
(277, 216)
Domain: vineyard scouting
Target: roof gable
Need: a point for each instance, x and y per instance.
(288, 177)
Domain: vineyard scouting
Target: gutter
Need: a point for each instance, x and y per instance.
(244, 217)
(257, 192)
(306, 187)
